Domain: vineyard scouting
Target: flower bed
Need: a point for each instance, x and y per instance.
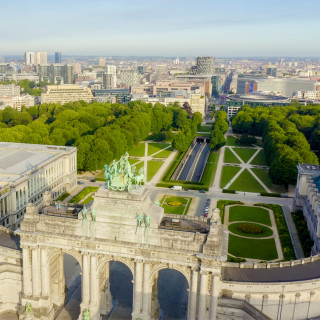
(250, 228)
(174, 203)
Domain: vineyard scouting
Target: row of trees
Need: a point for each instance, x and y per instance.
(219, 129)
(101, 131)
(285, 132)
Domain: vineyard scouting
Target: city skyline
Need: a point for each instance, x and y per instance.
(162, 28)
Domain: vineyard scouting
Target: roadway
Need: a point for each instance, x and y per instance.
(194, 166)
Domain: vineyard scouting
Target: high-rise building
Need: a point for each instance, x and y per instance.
(246, 86)
(271, 71)
(41, 58)
(102, 62)
(29, 58)
(205, 65)
(57, 57)
(57, 73)
(110, 77)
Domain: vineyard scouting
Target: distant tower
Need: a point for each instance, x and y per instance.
(57, 57)
(205, 65)
(41, 58)
(29, 58)
(102, 62)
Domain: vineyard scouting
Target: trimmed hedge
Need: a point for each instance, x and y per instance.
(228, 191)
(83, 193)
(63, 196)
(267, 194)
(221, 204)
(233, 259)
(284, 235)
(303, 232)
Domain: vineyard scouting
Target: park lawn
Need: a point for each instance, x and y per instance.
(230, 157)
(156, 147)
(263, 175)
(245, 153)
(153, 167)
(133, 161)
(63, 196)
(83, 193)
(100, 175)
(232, 141)
(261, 249)
(165, 153)
(260, 159)
(182, 210)
(247, 183)
(138, 150)
(251, 214)
(138, 166)
(205, 128)
(227, 174)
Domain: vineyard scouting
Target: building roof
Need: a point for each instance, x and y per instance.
(17, 159)
(302, 272)
(9, 241)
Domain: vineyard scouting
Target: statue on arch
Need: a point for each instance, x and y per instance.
(147, 220)
(93, 215)
(139, 220)
(28, 308)
(84, 213)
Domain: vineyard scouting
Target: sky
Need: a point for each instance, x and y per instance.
(225, 28)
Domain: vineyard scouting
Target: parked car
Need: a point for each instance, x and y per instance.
(202, 191)
(80, 182)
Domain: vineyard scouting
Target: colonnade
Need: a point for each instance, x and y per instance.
(39, 267)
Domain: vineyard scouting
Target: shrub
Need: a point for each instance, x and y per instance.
(267, 194)
(233, 259)
(250, 228)
(228, 191)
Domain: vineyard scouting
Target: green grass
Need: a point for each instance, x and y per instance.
(63, 196)
(138, 166)
(260, 159)
(262, 249)
(221, 205)
(138, 150)
(247, 183)
(210, 169)
(227, 174)
(252, 214)
(245, 153)
(153, 167)
(165, 153)
(155, 147)
(263, 175)
(205, 128)
(83, 193)
(230, 157)
(232, 141)
(181, 210)
(100, 175)
(267, 231)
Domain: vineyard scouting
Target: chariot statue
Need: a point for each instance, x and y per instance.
(120, 175)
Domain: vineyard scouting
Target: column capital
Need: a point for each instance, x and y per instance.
(205, 273)
(138, 261)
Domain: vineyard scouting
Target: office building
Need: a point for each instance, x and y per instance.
(17, 102)
(29, 58)
(57, 57)
(41, 58)
(128, 77)
(57, 73)
(9, 90)
(66, 93)
(102, 62)
(109, 77)
(27, 171)
(205, 66)
(246, 86)
(122, 95)
(271, 71)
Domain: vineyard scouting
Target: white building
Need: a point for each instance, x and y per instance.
(29, 58)
(17, 102)
(66, 93)
(9, 90)
(35, 58)
(26, 171)
(308, 198)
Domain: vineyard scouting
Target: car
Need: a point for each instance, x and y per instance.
(186, 189)
(202, 191)
(80, 182)
(92, 180)
(205, 215)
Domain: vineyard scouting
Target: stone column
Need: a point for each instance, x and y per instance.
(27, 275)
(45, 272)
(193, 292)
(202, 306)
(137, 289)
(94, 288)
(85, 279)
(215, 289)
(146, 303)
(35, 272)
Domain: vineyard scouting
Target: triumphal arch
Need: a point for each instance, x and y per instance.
(123, 224)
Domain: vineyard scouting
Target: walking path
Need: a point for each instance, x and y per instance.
(217, 178)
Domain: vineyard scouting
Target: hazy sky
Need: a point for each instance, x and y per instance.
(162, 27)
